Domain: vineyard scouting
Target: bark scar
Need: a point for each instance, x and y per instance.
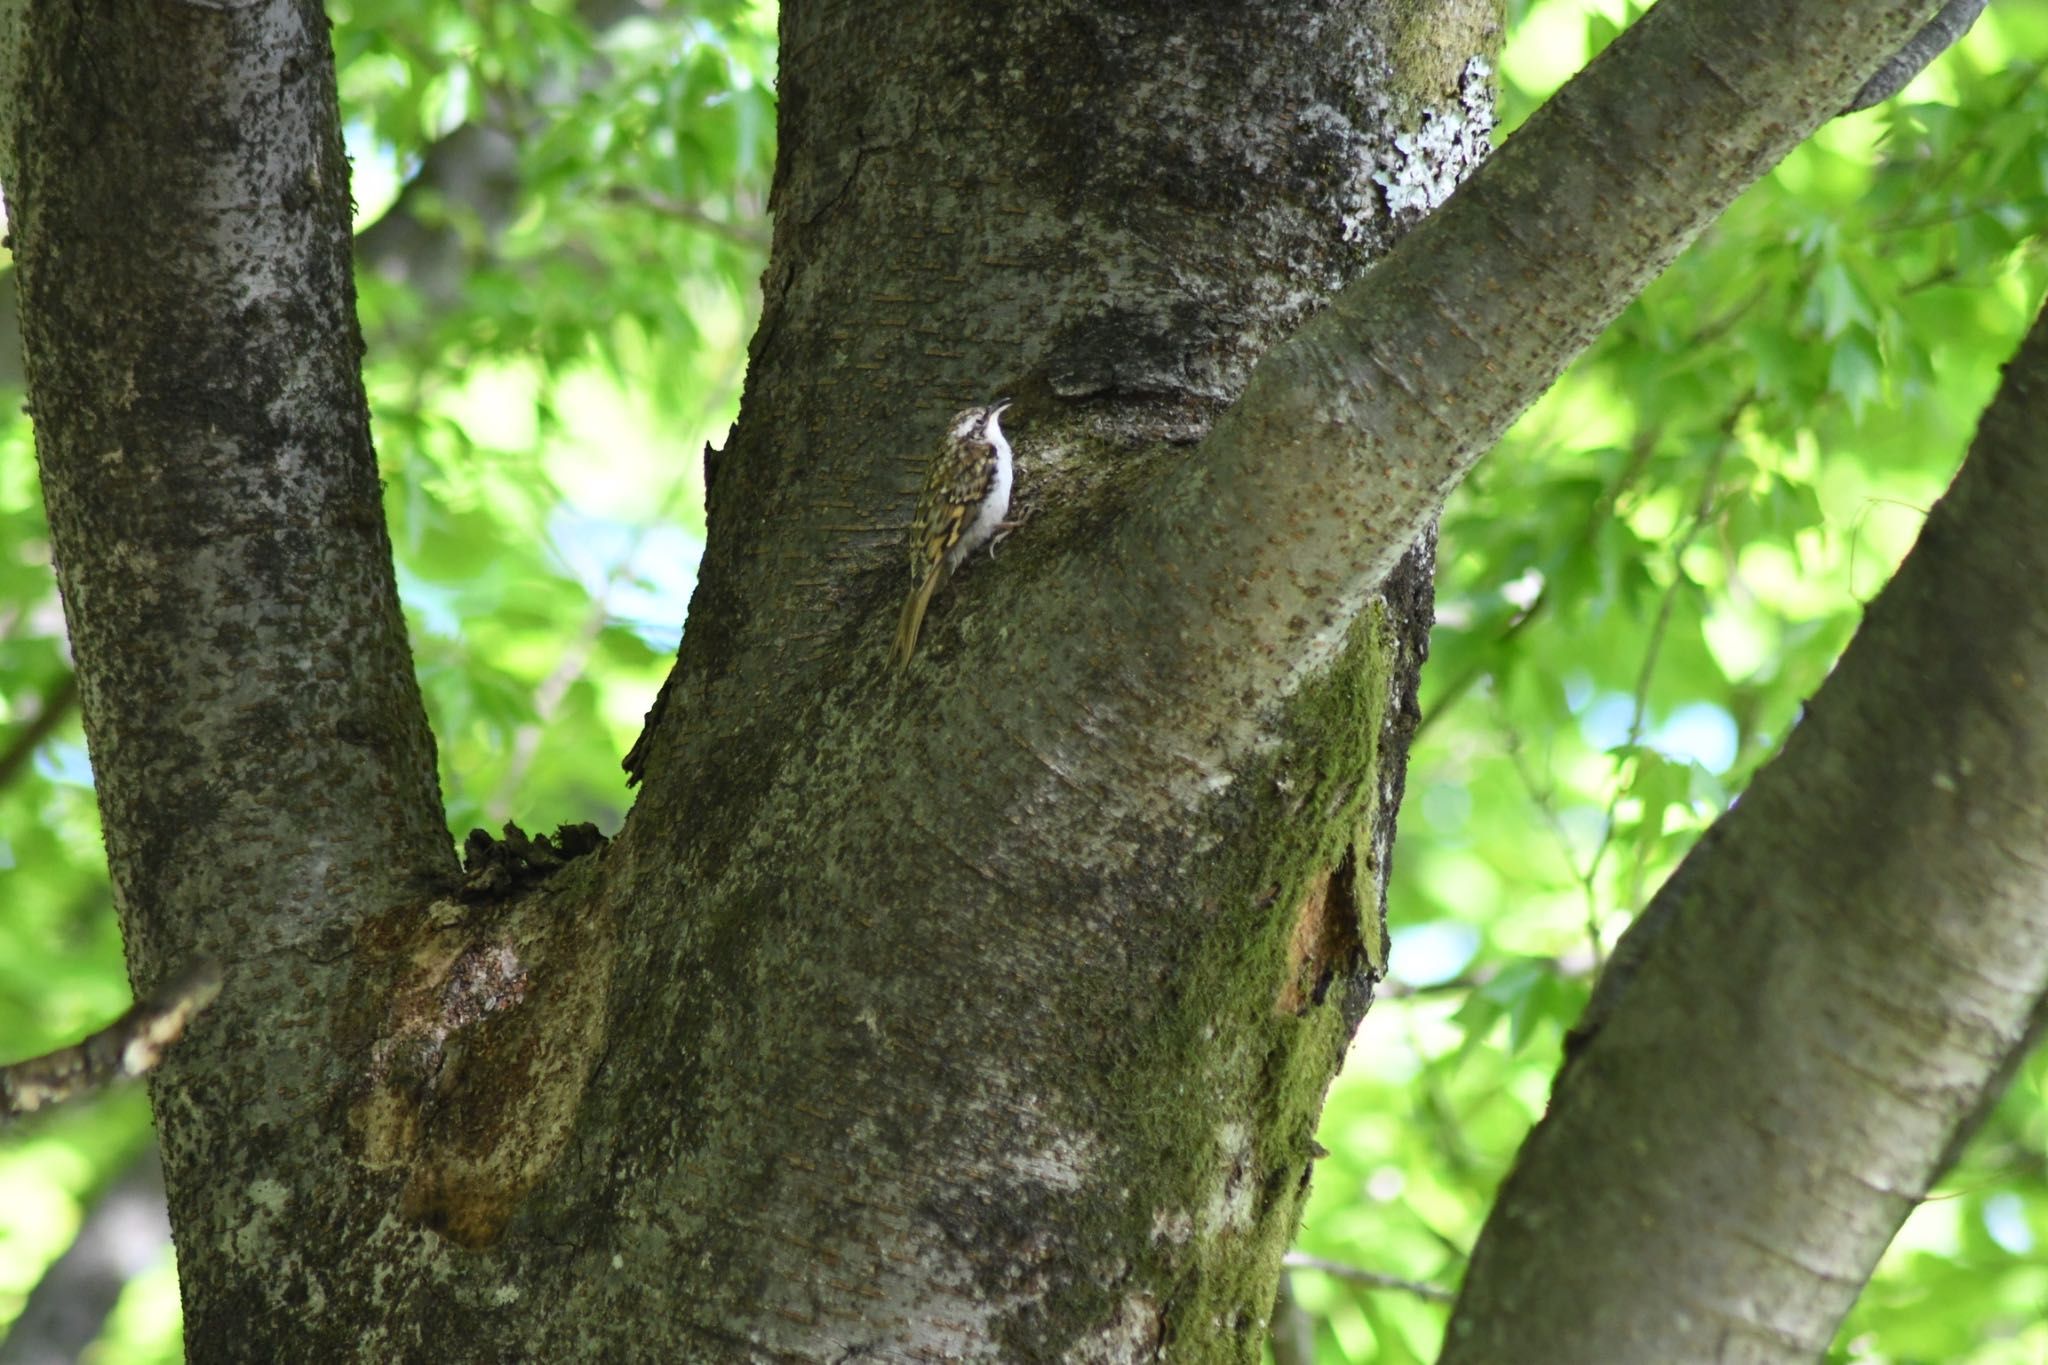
(478, 1027)
(1326, 943)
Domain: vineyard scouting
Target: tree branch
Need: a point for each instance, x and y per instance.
(55, 706)
(1937, 37)
(642, 197)
(1241, 575)
(1372, 1279)
(126, 1231)
(123, 1050)
(1795, 1037)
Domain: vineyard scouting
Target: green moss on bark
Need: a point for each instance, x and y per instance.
(1256, 1015)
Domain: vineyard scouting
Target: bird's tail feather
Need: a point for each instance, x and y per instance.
(912, 619)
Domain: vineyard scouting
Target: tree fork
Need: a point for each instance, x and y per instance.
(983, 1016)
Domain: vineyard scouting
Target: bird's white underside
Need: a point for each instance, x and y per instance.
(993, 508)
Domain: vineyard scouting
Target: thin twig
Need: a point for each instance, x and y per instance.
(1603, 509)
(1554, 823)
(1296, 1260)
(1703, 509)
(688, 213)
(126, 1048)
(548, 696)
(1573, 966)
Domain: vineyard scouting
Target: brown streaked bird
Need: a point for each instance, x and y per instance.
(966, 496)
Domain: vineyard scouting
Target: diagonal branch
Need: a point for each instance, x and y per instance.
(1943, 30)
(56, 704)
(1815, 1010)
(1242, 575)
(125, 1232)
(1371, 1279)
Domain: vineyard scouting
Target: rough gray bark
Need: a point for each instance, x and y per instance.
(982, 1013)
(1032, 1125)
(265, 773)
(1819, 1004)
(418, 1079)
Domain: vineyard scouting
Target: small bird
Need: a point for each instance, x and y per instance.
(966, 496)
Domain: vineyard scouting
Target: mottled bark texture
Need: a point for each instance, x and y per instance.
(177, 196)
(1940, 33)
(1038, 1048)
(981, 1012)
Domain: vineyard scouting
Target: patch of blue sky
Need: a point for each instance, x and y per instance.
(644, 574)
(1432, 953)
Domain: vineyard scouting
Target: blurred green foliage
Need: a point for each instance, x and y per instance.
(563, 219)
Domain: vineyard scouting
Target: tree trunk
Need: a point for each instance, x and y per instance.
(978, 1011)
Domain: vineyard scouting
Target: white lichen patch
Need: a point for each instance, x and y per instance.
(255, 1237)
(1172, 1226)
(267, 1237)
(1133, 1334)
(267, 1194)
(1231, 1204)
(1061, 1164)
(1427, 163)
